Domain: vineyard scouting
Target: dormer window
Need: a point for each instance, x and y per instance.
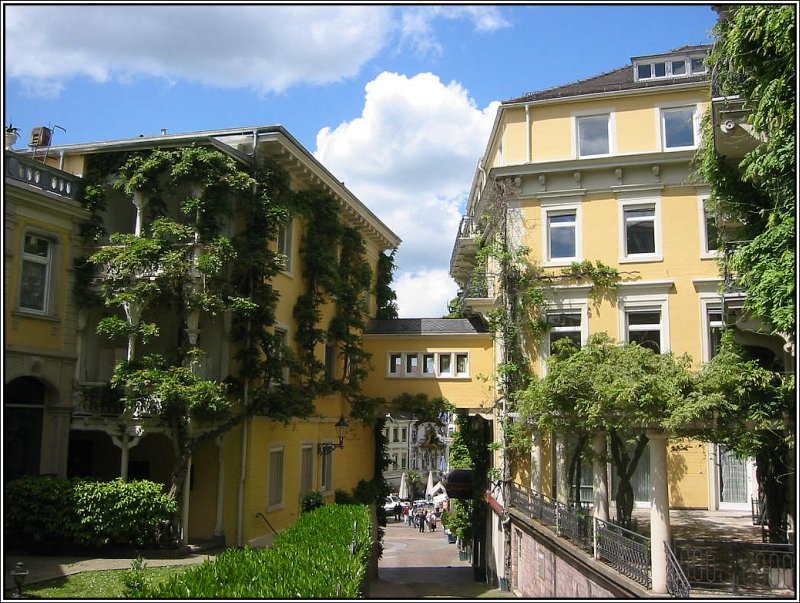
(681, 66)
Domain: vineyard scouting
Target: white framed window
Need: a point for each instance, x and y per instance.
(395, 364)
(428, 364)
(306, 469)
(562, 233)
(412, 364)
(404, 434)
(395, 434)
(564, 325)
(643, 308)
(712, 325)
(680, 128)
(445, 368)
(667, 67)
(462, 364)
(709, 232)
(568, 317)
(36, 273)
(593, 135)
(285, 239)
(275, 488)
(403, 460)
(326, 481)
(640, 229)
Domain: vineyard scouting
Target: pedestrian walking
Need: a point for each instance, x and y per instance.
(432, 520)
(398, 511)
(421, 520)
(405, 516)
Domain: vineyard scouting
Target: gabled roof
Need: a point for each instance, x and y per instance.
(426, 326)
(617, 79)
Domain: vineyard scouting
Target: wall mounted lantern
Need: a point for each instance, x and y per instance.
(327, 448)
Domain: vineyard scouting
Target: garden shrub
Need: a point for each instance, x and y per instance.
(316, 558)
(44, 513)
(312, 500)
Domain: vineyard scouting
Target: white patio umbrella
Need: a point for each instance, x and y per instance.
(403, 493)
(429, 488)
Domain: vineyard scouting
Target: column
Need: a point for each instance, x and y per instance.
(536, 462)
(140, 202)
(562, 479)
(218, 527)
(600, 476)
(659, 508)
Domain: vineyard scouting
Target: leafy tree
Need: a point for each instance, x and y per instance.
(754, 57)
(604, 386)
(386, 298)
(751, 410)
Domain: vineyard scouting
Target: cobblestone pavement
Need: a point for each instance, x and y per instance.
(423, 565)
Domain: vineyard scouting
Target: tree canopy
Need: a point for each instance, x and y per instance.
(754, 58)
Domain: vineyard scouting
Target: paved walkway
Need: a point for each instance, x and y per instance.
(423, 565)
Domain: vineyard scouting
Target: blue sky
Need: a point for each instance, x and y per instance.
(397, 101)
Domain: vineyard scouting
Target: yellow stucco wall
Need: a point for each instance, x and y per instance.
(687, 466)
(475, 391)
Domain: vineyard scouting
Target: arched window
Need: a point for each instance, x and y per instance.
(22, 426)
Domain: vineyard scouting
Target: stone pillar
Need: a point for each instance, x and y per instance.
(562, 478)
(185, 506)
(659, 508)
(536, 462)
(218, 527)
(140, 202)
(600, 474)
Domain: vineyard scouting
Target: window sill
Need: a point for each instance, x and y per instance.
(710, 255)
(22, 313)
(643, 259)
(560, 262)
(277, 507)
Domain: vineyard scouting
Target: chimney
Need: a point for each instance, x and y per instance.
(163, 131)
(41, 137)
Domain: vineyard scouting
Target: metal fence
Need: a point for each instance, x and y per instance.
(575, 524)
(737, 566)
(677, 584)
(625, 551)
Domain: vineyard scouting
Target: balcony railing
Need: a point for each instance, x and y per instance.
(41, 176)
(624, 550)
(677, 584)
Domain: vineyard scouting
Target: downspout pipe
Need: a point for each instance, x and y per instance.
(243, 473)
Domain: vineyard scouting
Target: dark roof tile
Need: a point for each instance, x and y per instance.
(426, 326)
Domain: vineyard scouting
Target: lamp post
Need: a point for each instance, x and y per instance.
(19, 573)
(327, 447)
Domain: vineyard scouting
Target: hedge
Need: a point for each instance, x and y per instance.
(324, 555)
(46, 513)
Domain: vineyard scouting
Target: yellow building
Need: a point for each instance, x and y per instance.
(600, 170)
(247, 483)
(42, 218)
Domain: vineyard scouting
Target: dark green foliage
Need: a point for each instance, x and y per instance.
(384, 294)
(320, 556)
(312, 500)
(46, 513)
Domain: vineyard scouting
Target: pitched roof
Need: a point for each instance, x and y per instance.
(617, 79)
(426, 326)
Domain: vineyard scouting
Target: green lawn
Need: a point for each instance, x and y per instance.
(106, 584)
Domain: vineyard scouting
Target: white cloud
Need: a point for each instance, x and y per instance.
(424, 294)
(410, 157)
(417, 23)
(266, 48)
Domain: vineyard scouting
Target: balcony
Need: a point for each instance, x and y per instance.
(734, 137)
(38, 175)
(462, 260)
(479, 292)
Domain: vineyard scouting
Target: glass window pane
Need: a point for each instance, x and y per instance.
(632, 214)
(444, 363)
(712, 234)
(678, 67)
(562, 242)
(412, 362)
(394, 363)
(37, 246)
(679, 128)
(573, 336)
(593, 135)
(698, 66)
(640, 237)
(644, 72)
(568, 218)
(461, 363)
(644, 318)
(647, 339)
(427, 363)
(661, 69)
(34, 281)
(564, 320)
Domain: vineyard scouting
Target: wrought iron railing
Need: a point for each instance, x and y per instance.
(575, 524)
(42, 176)
(624, 550)
(737, 566)
(543, 509)
(480, 285)
(677, 584)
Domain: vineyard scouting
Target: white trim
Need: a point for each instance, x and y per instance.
(612, 138)
(697, 113)
(288, 243)
(562, 207)
(639, 201)
(705, 253)
(418, 373)
(708, 303)
(564, 307)
(644, 289)
(282, 503)
(644, 303)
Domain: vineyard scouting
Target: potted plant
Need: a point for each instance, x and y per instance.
(12, 135)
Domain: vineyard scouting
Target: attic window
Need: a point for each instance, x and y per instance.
(669, 67)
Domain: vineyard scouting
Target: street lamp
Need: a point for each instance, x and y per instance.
(327, 448)
(19, 573)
